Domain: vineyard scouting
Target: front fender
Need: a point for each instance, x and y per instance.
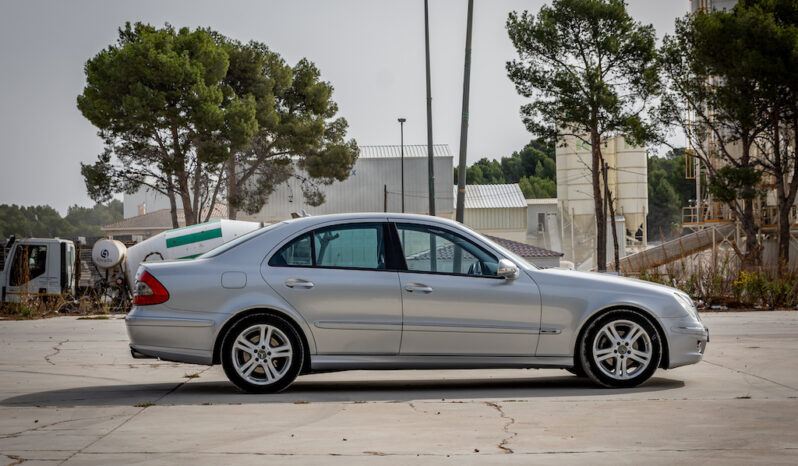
(570, 301)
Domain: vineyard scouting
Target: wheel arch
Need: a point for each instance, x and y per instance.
(664, 358)
(304, 338)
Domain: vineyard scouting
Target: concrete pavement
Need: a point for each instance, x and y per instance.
(70, 393)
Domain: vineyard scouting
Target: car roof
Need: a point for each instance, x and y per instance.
(318, 219)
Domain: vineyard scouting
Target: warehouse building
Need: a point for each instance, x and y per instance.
(496, 209)
(374, 185)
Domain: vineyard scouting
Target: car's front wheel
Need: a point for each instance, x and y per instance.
(262, 353)
(620, 349)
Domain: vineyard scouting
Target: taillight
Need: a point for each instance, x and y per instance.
(149, 291)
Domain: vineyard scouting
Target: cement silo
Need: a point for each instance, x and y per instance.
(630, 177)
(627, 180)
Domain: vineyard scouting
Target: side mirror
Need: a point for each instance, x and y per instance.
(507, 269)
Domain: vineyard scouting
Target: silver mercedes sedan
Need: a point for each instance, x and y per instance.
(395, 291)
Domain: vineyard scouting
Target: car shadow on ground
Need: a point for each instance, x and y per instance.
(306, 391)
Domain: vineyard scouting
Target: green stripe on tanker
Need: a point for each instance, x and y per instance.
(193, 238)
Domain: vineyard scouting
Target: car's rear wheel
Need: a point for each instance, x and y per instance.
(262, 353)
(620, 349)
(577, 371)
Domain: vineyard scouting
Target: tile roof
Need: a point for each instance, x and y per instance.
(492, 196)
(160, 219)
(522, 249)
(411, 151)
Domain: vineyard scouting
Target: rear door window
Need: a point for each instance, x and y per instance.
(347, 246)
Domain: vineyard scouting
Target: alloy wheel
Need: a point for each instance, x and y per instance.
(262, 354)
(622, 349)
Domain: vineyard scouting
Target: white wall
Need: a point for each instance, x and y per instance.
(364, 190)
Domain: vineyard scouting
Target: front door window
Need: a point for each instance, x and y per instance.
(30, 262)
(434, 250)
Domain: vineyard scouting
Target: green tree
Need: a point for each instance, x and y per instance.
(663, 204)
(88, 220)
(194, 116)
(537, 188)
(771, 43)
(159, 101)
(590, 71)
(533, 168)
(39, 221)
(719, 73)
(45, 222)
(296, 128)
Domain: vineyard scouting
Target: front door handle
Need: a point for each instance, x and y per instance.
(417, 288)
(298, 283)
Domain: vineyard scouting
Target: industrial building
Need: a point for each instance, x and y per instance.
(496, 209)
(374, 185)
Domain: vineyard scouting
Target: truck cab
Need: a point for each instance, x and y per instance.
(43, 267)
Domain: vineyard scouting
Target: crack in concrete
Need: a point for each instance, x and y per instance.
(57, 349)
(130, 418)
(750, 374)
(510, 421)
(17, 460)
(44, 426)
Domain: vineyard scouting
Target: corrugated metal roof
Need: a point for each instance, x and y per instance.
(395, 151)
(492, 196)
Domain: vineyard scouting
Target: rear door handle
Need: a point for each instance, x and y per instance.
(298, 283)
(417, 288)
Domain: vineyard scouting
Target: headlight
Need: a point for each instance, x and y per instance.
(688, 305)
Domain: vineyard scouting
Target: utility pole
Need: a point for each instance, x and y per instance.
(402, 139)
(603, 267)
(430, 165)
(461, 170)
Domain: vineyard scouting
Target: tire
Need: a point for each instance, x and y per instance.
(610, 359)
(275, 364)
(577, 371)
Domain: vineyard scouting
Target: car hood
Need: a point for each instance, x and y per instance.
(613, 283)
(590, 291)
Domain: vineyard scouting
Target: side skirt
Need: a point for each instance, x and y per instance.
(367, 362)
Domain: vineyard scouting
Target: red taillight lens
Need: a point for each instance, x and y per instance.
(149, 291)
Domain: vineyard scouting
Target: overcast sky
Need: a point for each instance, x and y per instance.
(371, 50)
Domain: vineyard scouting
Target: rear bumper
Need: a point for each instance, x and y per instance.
(155, 333)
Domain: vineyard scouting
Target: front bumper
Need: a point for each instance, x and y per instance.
(687, 343)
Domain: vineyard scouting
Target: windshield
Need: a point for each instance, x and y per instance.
(241, 239)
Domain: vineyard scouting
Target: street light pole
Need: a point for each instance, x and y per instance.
(402, 139)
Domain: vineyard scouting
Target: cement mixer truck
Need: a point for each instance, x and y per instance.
(47, 266)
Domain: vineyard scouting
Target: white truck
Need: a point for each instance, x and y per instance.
(46, 267)
(43, 267)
